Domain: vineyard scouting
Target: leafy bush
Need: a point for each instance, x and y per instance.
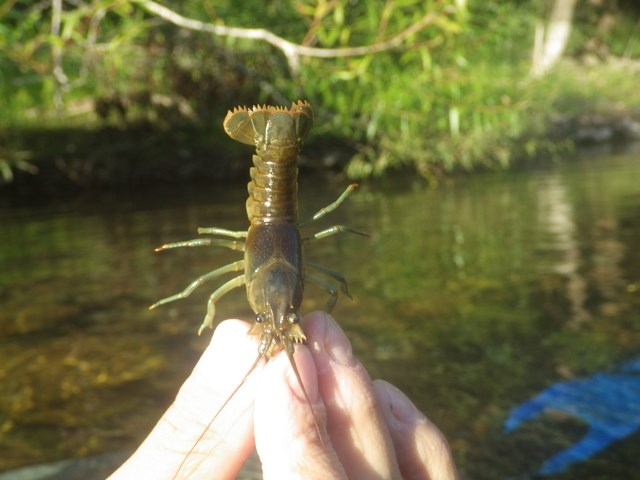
(451, 95)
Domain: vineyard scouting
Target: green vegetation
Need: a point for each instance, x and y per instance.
(454, 94)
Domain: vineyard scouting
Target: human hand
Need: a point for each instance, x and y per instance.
(370, 430)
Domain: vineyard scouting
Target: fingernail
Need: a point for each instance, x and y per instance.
(402, 409)
(336, 344)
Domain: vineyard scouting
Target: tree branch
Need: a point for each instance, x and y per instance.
(59, 77)
(291, 50)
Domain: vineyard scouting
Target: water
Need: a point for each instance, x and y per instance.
(471, 298)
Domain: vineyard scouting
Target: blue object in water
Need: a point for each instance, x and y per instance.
(608, 402)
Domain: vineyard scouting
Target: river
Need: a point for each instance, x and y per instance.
(472, 298)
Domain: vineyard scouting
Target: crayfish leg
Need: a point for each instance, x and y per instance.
(335, 230)
(232, 267)
(204, 242)
(333, 293)
(215, 296)
(344, 286)
(332, 206)
(222, 231)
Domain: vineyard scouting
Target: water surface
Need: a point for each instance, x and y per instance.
(471, 298)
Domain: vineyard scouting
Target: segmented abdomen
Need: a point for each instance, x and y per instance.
(273, 189)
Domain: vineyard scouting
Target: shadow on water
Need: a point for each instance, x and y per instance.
(471, 298)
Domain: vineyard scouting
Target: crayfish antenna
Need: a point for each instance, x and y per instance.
(306, 395)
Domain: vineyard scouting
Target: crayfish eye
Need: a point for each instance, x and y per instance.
(259, 318)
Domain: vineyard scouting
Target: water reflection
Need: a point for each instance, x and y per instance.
(592, 269)
(470, 298)
(557, 220)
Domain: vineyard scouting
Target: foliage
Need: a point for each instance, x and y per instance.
(453, 96)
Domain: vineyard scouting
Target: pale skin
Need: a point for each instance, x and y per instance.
(370, 430)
